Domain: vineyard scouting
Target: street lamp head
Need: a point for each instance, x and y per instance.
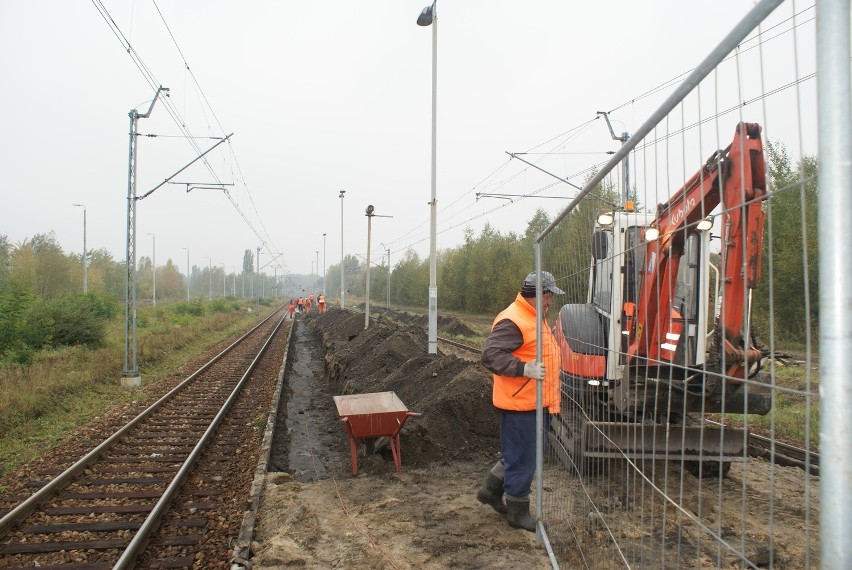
(370, 210)
(79, 205)
(342, 192)
(426, 16)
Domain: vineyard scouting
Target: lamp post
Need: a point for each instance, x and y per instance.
(224, 280)
(387, 250)
(342, 265)
(429, 16)
(154, 264)
(85, 266)
(370, 213)
(209, 279)
(323, 265)
(187, 273)
(317, 251)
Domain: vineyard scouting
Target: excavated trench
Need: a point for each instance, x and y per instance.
(308, 443)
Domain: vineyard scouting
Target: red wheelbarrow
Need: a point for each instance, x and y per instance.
(368, 416)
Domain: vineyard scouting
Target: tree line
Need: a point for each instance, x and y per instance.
(483, 274)
(42, 303)
(40, 283)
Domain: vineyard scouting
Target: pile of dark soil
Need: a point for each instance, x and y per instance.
(453, 395)
(447, 324)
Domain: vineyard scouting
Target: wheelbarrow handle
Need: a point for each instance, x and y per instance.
(413, 414)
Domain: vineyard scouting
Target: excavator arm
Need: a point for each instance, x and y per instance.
(734, 178)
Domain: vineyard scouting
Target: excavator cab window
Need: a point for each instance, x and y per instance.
(685, 301)
(603, 267)
(634, 263)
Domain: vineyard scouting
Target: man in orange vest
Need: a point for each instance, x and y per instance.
(510, 354)
(291, 308)
(321, 303)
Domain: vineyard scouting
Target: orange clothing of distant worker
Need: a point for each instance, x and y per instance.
(291, 308)
(517, 393)
(321, 303)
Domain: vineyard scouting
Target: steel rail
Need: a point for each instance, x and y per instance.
(143, 535)
(780, 453)
(460, 345)
(783, 454)
(26, 507)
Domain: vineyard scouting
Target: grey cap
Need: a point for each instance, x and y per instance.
(548, 283)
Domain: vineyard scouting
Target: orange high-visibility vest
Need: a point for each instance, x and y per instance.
(518, 393)
(321, 300)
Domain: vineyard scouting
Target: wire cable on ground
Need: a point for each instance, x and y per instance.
(369, 538)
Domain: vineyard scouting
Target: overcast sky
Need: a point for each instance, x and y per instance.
(322, 96)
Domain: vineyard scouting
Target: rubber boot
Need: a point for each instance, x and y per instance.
(519, 513)
(491, 493)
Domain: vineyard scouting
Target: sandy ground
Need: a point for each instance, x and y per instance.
(315, 514)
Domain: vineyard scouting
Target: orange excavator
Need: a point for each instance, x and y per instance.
(645, 358)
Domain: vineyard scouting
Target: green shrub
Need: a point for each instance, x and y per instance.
(14, 301)
(141, 320)
(219, 306)
(102, 306)
(193, 308)
(37, 333)
(67, 321)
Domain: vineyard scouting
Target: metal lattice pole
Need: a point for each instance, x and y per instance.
(130, 367)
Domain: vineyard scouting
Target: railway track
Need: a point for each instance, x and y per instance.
(783, 453)
(758, 445)
(462, 346)
(164, 490)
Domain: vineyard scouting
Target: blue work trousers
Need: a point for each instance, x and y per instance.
(517, 445)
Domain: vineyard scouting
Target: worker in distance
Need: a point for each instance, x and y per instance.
(510, 354)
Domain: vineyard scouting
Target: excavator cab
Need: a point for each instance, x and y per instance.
(617, 405)
(644, 358)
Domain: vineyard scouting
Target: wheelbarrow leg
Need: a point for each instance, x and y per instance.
(396, 451)
(353, 451)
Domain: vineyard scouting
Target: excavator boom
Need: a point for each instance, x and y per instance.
(734, 178)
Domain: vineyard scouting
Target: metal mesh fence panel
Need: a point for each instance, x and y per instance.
(688, 432)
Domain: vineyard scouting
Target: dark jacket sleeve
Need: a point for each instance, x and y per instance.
(497, 355)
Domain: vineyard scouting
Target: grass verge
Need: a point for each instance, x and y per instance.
(60, 390)
(794, 417)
